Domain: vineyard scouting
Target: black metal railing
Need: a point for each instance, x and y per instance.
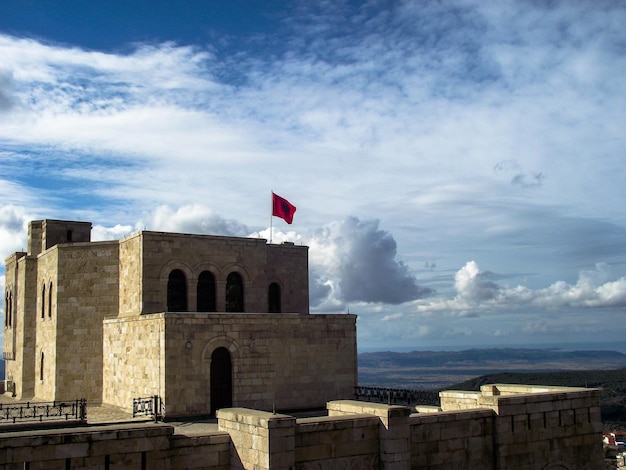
(65, 410)
(397, 396)
(149, 406)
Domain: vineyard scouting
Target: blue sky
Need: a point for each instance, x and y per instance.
(458, 167)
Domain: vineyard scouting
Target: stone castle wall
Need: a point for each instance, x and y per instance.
(453, 439)
(67, 285)
(56, 232)
(130, 278)
(283, 361)
(133, 359)
(120, 447)
(535, 424)
(258, 263)
(87, 293)
(46, 322)
(19, 337)
(353, 435)
(338, 442)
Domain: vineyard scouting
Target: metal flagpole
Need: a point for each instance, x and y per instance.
(271, 211)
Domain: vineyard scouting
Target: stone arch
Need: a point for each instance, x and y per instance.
(208, 358)
(164, 278)
(171, 265)
(220, 341)
(228, 270)
(557, 466)
(235, 267)
(207, 266)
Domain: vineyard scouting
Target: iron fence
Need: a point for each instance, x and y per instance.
(149, 406)
(65, 410)
(397, 396)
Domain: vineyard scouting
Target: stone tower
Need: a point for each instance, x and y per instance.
(201, 321)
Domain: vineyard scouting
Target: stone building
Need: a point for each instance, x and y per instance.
(203, 322)
(221, 326)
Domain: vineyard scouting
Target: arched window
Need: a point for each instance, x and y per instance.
(50, 301)
(43, 301)
(177, 292)
(10, 308)
(234, 293)
(41, 363)
(6, 309)
(206, 292)
(273, 298)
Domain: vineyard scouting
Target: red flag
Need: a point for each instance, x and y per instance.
(282, 208)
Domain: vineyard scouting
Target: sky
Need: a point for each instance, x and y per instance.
(458, 167)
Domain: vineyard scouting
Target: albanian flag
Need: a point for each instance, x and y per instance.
(282, 208)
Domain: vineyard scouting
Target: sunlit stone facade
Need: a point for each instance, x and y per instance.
(201, 321)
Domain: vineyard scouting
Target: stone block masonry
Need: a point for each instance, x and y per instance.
(261, 440)
(221, 324)
(177, 298)
(353, 435)
(120, 447)
(279, 361)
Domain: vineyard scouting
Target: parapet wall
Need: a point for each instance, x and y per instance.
(554, 425)
(531, 424)
(453, 439)
(121, 447)
(346, 441)
(559, 429)
(550, 429)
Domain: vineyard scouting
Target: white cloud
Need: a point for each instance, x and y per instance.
(13, 229)
(593, 289)
(478, 293)
(393, 316)
(362, 259)
(453, 124)
(100, 233)
(192, 219)
(473, 284)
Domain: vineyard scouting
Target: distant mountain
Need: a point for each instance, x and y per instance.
(439, 369)
(505, 356)
(613, 382)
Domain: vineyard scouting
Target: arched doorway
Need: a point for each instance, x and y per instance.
(221, 380)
